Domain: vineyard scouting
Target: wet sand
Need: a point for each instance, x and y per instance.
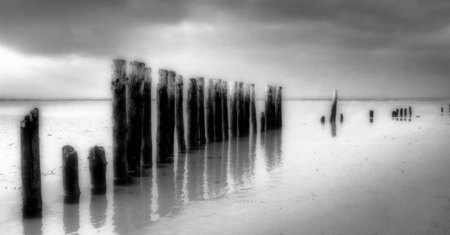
(385, 177)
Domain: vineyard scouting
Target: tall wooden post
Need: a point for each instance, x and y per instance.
(247, 100)
(171, 112)
(161, 117)
(201, 110)
(192, 114)
(210, 112)
(179, 117)
(253, 108)
(217, 107)
(241, 109)
(70, 175)
(225, 121)
(234, 109)
(146, 152)
(263, 122)
(279, 107)
(134, 116)
(120, 166)
(268, 107)
(97, 167)
(334, 107)
(30, 165)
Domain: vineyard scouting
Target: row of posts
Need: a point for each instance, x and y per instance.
(221, 115)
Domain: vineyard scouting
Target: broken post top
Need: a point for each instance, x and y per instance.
(67, 149)
(119, 68)
(137, 69)
(148, 74)
(162, 79)
(200, 81)
(179, 80)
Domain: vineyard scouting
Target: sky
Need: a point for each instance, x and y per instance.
(370, 48)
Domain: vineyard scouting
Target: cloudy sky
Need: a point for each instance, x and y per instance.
(370, 48)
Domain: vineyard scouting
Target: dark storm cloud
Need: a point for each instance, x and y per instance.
(98, 27)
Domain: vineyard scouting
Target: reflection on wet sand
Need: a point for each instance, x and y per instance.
(71, 218)
(219, 169)
(32, 226)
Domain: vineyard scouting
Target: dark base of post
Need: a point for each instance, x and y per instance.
(123, 182)
(98, 191)
(30, 213)
(72, 199)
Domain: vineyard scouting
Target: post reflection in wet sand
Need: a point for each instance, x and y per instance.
(71, 218)
(97, 209)
(32, 226)
(271, 143)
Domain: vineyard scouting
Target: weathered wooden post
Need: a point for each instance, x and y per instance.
(279, 107)
(334, 107)
(274, 108)
(247, 101)
(268, 107)
(234, 109)
(394, 114)
(218, 125)
(253, 108)
(30, 165)
(201, 110)
(161, 117)
(224, 93)
(405, 111)
(97, 167)
(410, 111)
(342, 118)
(210, 112)
(322, 119)
(146, 152)
(179, 117)
(134, 116)
(371, 115)
(401, 112)
(70, 175)
(192, 114)
(442, 109)
(263, 122)
(241, 109)
(171, 112)
(120, 166)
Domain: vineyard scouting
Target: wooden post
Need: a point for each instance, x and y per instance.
(192, 114)
(442, 109)
(342, 118)
(171, 112)
(405, 112)
(30, 165)
(134, 116)
(120, 166)
(371, 115)
(162, 116)
(210, 112)
(97, 167)
(263, 122)
(410, 111)
(274, 107)
(70, 175)
(394, 114)
(217, 107)
(401, 112)
(201, 110)
(253, 108)
(146, 153)
(179, 117)
(247, 100)
(279, 105)
(234, 109)
(224, 93)
(268, 107)
(241, 109)
(334, 107)
(322, 120)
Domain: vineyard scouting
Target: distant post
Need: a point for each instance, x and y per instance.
(253, 108)
(263, 122)
(241, 109)
(247, 102)
(210, 112)
(217, 110)
(342, 118)
(234, 109)
(134, 118)
(119, 122)
(179, 117)
(225, 109)
(201, 110)
(192, 114)
(171, 112)
(97, 167)
(334, 107)
(70, 175)
(279, 107)
(30, 165)
(162, 116)
(146, 153)
(371, 115)
(268, 107)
